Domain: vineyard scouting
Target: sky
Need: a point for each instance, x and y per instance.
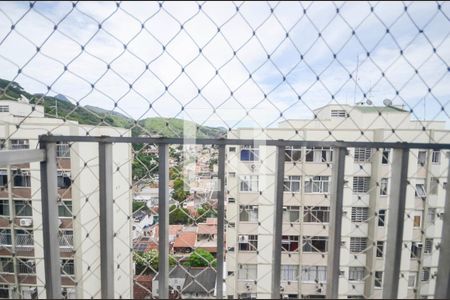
(230, 64)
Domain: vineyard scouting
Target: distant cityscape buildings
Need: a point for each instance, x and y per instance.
(250, 193)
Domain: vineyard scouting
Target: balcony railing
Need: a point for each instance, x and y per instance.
(396, 212)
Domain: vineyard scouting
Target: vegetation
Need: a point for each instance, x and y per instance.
(201, 258)
(179, 215)
(137, 205)
(147, 262)
(91, 115)
(204, 212)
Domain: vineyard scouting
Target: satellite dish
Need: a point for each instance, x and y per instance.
(369, 102)
(387, 102)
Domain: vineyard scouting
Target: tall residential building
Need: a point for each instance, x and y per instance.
(250, 209)
(21, 237)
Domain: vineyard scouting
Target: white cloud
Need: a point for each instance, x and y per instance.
(145, 28)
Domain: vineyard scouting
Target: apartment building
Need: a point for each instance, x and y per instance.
(250, 188)
(21, 236)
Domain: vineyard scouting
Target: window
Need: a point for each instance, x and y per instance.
(4, 108)
(317, 184)
(291, 214)
(436, 157)
(248, 213)
(289, 243)
(232, 149)
(65, 209)
(339, 113)
(358, 244)
(421, 157)
(3, 178)
(62, 149)
(356, 273)
(246, 296)
(6, 265)
(417, 221)
(385, 156)
(21, 178)
(249, 153)
(24, 238)
(314, 273)
(289, 272)
(360, 214)
(67, 267)
(317, 155)
(64, 181)
(26, 266)
(381, 217)
(431, 215)
(20, 144)
(378, 278)
(416, 248)
(23, 208)
(384, 186)
(428, 246)
(362, 155)
(380, 248)
(434, 184)
(420, 190)
(249, 183)
(2, 144)
(248, 272)
(292, 184)
(425, 274)
(315, 244)
(361, 184)
(29, 293)
(4, 291)
(316, 214)
(292, 153)
(4, 208)
(5, 237)
(412, 280)
(248, 242)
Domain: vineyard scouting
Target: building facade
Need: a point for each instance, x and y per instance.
(21, 237)
(250, 188)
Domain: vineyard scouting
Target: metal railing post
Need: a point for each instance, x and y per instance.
(220, 221)
(278, 223)
(395, 222)
(106, 220)
(49, 192)
(442, 290)
(163, 211)
(335, 228)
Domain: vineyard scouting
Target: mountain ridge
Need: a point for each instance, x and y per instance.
(93, 115)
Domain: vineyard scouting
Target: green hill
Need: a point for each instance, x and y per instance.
(91, 115)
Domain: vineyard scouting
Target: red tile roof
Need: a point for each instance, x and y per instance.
(185, 239)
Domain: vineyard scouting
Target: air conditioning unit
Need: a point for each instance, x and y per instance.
(25, 222)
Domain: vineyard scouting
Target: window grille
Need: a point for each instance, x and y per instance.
(358, 244)
(360, 214)
(362, 155)
(356, 273)
(361, 184)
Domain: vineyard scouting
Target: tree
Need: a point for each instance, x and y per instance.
(148, 262)
(201, 258)
(137, 205)
(205, 212)
(178, 215)
(179, 192)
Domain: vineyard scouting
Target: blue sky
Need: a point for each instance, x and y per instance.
(253, 32)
